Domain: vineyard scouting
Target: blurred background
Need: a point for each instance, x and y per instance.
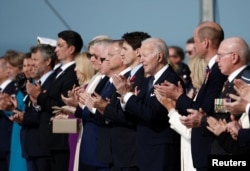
(172, 20)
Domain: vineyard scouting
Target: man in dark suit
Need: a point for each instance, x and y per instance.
(233, 55)
(123, 129)
(33, 137)
(207, 37)
(6, 86)
(69, 44)
(89, 159)
(157, 144)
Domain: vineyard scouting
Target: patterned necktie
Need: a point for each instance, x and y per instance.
(225, 89)
(208, 71)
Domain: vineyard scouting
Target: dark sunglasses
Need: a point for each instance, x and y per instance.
(89, 55)
(102, 59)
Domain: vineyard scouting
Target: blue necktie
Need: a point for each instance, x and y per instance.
(150, 84)
(105, 90)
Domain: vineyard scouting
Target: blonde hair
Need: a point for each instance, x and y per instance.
(197, 67)
(85, 67)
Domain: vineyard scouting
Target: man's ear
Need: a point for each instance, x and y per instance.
(159, 57)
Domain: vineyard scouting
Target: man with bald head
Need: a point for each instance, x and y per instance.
(207, 38)
(232, 59)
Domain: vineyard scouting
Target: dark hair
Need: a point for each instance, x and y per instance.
(134, 39)
(72, 38)
(47, 52)
(178, 51)
(190, 40)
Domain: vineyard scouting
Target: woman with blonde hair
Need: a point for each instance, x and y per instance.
(84, 72)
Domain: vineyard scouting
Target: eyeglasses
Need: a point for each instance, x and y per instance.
(102, 59)
(220, 55)
(89, 55)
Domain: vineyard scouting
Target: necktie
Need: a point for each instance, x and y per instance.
(105, 90)
(208, 71)
(225, 89)
(57, 71)
(150, 84)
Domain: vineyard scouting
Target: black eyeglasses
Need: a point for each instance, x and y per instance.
(102, 59)
(89, 55)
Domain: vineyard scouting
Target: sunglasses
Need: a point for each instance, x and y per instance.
(89, 55)
(102, 59)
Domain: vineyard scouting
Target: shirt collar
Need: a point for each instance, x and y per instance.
(212, 62)
(159, 73)
(232, 76)
(45, 76)
(4, 84)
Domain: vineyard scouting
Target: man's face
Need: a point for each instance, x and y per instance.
(114, 58)
(62, 50)
(38, 65)
(94, 55)
(173, 57)
(200, 49)
(224, 59)
(149, 58)
(128, 54)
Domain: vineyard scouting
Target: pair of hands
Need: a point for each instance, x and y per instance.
(9, 103)
(239, 102)
(167, 93)
(219, 126)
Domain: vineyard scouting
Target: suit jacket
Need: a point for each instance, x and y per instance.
(156, 141)
(90, 138)
(52, 97)
(225, 140)
(123, 130)
(35, 139)
(200, 143)
(6, 125)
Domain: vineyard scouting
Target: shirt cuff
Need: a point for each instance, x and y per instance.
(125, 99)
(247, 108)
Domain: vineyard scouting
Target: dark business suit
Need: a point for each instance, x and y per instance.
(58, 145)
(158, 146)
(200, 143)
(91, 128)
(32, 144)
(225, 141)
(5, 132)
(123, 130)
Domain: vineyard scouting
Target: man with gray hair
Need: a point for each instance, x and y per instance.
(157, 144)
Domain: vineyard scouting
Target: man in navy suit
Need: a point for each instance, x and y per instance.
(157, 145)
(69, 44)
(33, 134)
(7, 86)
(207, 36)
